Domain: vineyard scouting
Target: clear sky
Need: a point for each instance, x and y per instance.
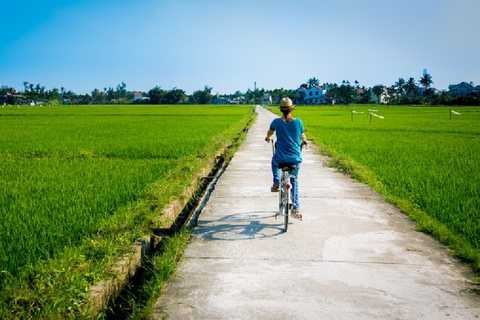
(229, 45)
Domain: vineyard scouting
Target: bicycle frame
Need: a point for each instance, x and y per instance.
(286, 192)
(286, 195)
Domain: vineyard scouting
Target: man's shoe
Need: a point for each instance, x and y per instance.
(275, 187)
(297, 214)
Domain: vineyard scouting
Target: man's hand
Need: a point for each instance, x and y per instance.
(304, 144)
(267, 139)
(304, 140)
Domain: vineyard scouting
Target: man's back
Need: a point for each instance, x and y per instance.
(289, 140)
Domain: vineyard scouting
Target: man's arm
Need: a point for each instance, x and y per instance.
(269, 134)
(304, 139)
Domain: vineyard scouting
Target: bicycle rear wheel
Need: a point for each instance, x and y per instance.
(286, 207)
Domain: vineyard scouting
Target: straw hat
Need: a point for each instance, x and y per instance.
(286, 104)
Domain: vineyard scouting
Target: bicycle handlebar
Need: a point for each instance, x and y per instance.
(273, 145)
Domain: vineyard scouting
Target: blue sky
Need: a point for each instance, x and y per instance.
(229, 45)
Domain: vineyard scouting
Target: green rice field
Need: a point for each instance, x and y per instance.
(79, 183)
(72, 175)
(424, 159)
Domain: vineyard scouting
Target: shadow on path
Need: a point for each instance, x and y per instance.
(240, 226)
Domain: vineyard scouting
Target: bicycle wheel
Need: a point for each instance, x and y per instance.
(280, 201)
(286, 206)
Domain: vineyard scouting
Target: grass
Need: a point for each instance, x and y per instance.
(139, 302)
(83, 183)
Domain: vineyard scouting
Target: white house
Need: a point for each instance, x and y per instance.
(267, 98)
(383, 96)
(137, 96)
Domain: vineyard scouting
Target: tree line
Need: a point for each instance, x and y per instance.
(38, 94)
(401, 92)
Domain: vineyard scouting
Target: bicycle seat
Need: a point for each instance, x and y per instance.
(287, 166)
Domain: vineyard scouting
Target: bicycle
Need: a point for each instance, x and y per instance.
(286, 191)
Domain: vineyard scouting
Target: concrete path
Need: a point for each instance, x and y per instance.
(353, 256)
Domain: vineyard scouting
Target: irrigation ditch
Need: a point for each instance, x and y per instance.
(109, 298)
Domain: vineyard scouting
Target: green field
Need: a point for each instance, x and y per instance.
(94, 178)
(417, 157)
(81, 183)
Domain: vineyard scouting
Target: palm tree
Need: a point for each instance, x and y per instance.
(55, 95)
(62, 94)
(426, 80)
(304, 85)
(42, 93)
(400, 85)
(411, 88)
(312, 82)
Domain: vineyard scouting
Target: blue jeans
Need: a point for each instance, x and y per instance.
(276, 179)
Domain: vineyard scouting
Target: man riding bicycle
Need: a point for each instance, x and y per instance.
(290, 139)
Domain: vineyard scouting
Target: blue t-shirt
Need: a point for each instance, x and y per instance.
(289, 140)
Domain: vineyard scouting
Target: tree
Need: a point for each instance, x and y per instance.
(312, 82)
(399, 85)
(203, 96)
(85, 99)
(98, 97)
(174, 96)
(6, 95)
(345, 93)
(365, 96)
(426, 80)
(411, 90)
(443, 98)
(110, 94)
(54, 96)
(332, 89)
(156, 95)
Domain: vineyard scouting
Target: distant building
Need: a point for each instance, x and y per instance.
(12, 98)
(314, 95)
(137, 96)
(423, 92)
(463, 89)
(383, 96)
(267, 98)
(221, 100)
